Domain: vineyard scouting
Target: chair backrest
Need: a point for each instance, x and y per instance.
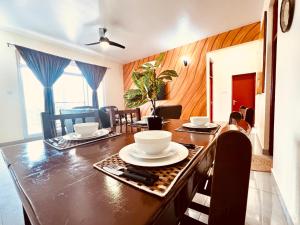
(242, 110)
(230, 179)
(50, 122)
(249, 116)
(77, 110)
(246, 128)
(83, 107)
(235, 117)
(110, 113)
(126, 116)
(169, 111)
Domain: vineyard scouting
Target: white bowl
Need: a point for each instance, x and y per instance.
(86, 129)
(153, 141)
(199, 120)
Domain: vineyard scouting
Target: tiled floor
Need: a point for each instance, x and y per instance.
(263, 201)
(264, 206)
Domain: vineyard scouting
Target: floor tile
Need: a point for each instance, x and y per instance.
(10, 206)
(193, 213)
(264, 208)
(264, 181)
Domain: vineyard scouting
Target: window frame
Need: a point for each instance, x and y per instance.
(87, 97)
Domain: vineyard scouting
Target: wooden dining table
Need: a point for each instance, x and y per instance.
(63, 188)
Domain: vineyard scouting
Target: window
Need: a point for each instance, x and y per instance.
(69, 91)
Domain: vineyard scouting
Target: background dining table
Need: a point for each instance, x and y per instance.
(62, 187)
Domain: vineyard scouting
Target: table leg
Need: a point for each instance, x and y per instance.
(26, 219)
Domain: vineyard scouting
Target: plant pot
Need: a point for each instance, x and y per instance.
(154, 123)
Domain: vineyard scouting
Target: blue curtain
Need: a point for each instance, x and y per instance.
(93, 75)
(47, 68)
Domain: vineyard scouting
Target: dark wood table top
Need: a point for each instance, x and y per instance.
(62, 187)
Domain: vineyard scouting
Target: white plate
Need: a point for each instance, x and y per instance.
(137, 153)
(205, 126)
(78, 137)
(141, 122)
(181, 153)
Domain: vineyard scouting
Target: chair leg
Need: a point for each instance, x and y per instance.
(26, 219)
(200, 208)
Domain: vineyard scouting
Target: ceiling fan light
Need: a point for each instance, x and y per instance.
(104, 44)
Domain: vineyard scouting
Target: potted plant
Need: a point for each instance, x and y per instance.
(147, 83)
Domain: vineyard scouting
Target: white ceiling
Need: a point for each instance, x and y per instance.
(144, 27)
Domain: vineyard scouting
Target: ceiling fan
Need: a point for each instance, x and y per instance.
(104, 41)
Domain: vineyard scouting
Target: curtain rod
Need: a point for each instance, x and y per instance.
(10, 45)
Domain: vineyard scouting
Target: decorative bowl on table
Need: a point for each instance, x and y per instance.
(86, 129)
(199, 120)
(152, 141)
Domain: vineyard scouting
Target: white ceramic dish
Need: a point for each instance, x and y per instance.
(199, 120)
(152, 142)
(78, 137)
(205, 126)
(141, 122)
(86, 129)
(181, 153)
(142, 155)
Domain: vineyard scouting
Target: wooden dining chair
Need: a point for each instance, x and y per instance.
(235, 117)
(125, 117)
(54, 125)
(109, 114)
(244, 126)
(230, 182)
(242, 110)
(249, 116)
(169, 111)
(77, 110)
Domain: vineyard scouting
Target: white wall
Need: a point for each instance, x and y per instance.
(286, 159)
(239, 59)
(11, 116)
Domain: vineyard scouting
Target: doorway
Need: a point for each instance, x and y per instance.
(243, 91)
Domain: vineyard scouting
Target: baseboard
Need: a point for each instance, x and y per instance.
(3, 144)
(282, 203)
(266, 151)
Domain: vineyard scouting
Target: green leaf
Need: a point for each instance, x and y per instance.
(146, 65)
(165, 78)
(171, 73)
(159, 59)
(134, 98)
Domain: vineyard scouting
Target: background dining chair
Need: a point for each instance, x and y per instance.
(77, 110)
(230, 182)
(54, 125)
(242, 110)
(106, 115)
(169, 111)
(235, 117)
(125, 117)
(249, 116)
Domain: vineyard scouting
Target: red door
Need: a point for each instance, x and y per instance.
(243, 91)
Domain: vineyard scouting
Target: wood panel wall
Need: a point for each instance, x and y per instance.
(189, 89)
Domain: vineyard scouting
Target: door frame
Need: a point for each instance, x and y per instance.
(254, 74)
(211, 82)
(273, 76)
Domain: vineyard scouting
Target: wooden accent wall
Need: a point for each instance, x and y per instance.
(189, 89)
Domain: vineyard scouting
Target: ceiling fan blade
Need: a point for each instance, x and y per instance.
(93, 43)
(116, 44)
